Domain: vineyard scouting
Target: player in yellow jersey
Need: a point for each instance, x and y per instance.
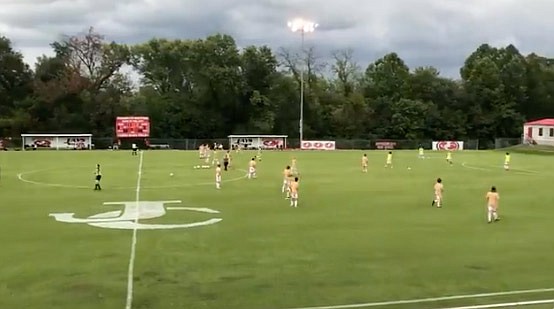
(364, 163)
(492, 198)
(294, 193)
(438, 188)
(287, 176)
(449, 157)
(252, 168)
(293, 166)
(218, 176)
(421, 153)
(507, 161)
(389, 160)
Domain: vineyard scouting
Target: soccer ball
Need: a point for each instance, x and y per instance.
(409, 168)
(171, 174)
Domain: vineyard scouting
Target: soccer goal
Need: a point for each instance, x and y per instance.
(258, 141)
(56, 141)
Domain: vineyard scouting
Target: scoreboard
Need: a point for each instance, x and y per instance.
(132, 126)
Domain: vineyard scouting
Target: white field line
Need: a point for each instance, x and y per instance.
(429, 300)
(186, 185)
(505, 305)
(517, 171)
(130, 274)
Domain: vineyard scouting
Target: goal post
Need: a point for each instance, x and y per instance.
(56, 141)
(258, 141)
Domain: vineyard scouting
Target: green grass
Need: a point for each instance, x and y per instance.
(531, 149)
(356, 238)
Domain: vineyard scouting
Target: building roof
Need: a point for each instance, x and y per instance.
(541, 122)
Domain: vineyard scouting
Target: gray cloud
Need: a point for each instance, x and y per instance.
(423, 32)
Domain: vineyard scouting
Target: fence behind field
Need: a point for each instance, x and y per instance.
(345, 144)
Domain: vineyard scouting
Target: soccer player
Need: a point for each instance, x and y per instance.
(214, 153)
(226, 160)
(252, 168)
(201, 151)
(421, 154)
(207, 154)
(218, 176)
(134, 149)
(259, 153)
(438, 193)
(364, 163)
(287, 175)
(97, 178)
(507, 161)
(449, 157)
(293, 166)
(389, 160)
(294, 193)
(492, 198)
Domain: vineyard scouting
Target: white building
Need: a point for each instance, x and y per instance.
(539, 132)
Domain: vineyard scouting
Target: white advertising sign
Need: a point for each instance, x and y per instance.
(318, 145)
(448, 145)
(58, 142)
(259, 142)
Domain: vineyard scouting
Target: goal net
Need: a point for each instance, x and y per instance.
(56, 141)
(258, 141)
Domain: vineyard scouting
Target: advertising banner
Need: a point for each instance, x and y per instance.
(318, 145)
(448, 145)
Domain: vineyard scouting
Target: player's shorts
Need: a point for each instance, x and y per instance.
(218, 178)
(286, 182)
(389, 162)
(252, 170)
(364, 165)
(294, 195)
(438, 197)
(492, 208)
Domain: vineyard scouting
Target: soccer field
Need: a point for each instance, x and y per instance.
(355, 241)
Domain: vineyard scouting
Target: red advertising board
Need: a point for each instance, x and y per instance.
(134, 126)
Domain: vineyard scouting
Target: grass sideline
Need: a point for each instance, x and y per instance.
(356, 238)
(531, 149)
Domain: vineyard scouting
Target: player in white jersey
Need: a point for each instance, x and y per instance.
(252, 168)
(218, 176)
(134, 149)
(207, 154)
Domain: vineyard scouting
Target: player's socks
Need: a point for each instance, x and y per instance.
(489, 217)
(495, 216)
(433, 203)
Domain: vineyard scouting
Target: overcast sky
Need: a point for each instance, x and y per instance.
(440, 33)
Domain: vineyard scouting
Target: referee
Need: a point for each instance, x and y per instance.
(226, 160)
(97, 178)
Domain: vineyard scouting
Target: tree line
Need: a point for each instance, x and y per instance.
(210, 88)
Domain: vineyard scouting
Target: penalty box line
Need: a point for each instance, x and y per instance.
(435, 299)
(132, 255)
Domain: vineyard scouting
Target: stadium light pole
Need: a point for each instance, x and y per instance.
(303, 26)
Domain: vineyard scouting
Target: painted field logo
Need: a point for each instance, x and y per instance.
(135, 211)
